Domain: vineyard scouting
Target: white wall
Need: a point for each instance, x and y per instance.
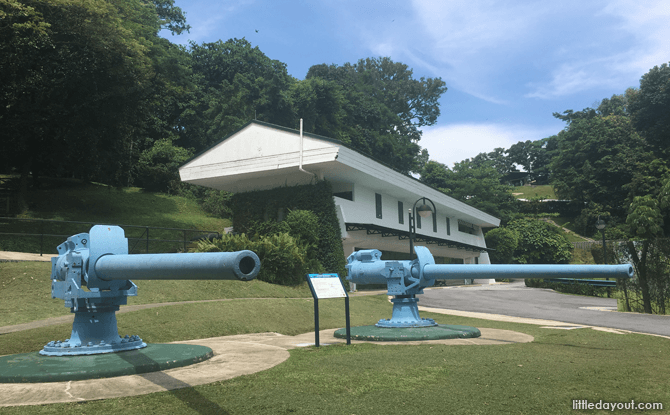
(363, 210)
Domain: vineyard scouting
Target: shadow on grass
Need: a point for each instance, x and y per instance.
(177, 388)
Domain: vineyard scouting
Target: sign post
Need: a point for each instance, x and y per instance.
(327, 286)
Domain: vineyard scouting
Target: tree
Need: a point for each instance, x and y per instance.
(497, 159)
(505, 242)
(597, 157)
(475, 183)
(386, 108)
(158, 166)
(650, 107)
(236, 83)
(533, 156)
(321, 104)
(79, 84)
(650, 254)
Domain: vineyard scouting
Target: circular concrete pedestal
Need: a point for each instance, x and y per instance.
(34, 368)
(386, 334)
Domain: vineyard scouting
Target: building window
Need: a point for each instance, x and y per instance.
(418, 220)
(466, 227)
(401, 213)
(448, 227)
(434, 215)
(378, 204)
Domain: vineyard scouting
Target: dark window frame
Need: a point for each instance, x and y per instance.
(378, 205)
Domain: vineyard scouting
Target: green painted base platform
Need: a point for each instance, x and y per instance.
(35, 368)
(382, 334)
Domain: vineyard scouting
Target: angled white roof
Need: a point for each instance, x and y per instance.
(263, 156)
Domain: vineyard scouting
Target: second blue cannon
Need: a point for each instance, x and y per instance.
(406, 279)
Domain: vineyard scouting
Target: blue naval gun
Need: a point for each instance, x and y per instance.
(93, 273)
(406, 279)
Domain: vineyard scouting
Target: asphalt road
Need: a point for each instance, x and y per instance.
(517, 300)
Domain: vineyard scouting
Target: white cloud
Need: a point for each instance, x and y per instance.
(546, 50)
(454, 143)
(475, 42)
(647, 21)
(642, 41)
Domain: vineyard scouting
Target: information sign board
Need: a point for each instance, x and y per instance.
(327, 286)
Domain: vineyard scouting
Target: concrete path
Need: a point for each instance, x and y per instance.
(517, 300)
(9, 256)
(233, 356)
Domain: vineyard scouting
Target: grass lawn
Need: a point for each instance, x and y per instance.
(528, 192)
(26, 292)
(542, 377)
(71, 200)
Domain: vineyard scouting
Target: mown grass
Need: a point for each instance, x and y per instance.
(72, 200)
(528, 192)
(25, 288)
(542, 377)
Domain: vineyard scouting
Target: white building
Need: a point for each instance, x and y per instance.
(372, 200)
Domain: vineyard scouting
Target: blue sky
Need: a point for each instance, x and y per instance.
(508, 64)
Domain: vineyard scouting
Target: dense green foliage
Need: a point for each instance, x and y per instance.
(261, 212)
(283, 257)
(504, 241)
(288, 249)
(82, 82)
(378, 108)
(475, 182)
(529, 241)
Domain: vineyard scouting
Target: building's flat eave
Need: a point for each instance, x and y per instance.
(407, 184)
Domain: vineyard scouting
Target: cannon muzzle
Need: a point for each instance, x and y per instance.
(240, 265)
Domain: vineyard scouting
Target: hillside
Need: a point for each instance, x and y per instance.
(72, 200)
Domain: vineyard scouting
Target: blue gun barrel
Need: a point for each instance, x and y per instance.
(240, 265)
(405, 279)
(464, 271)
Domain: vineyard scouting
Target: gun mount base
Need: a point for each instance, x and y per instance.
(36, 368)
(93, 332)
(405, 314)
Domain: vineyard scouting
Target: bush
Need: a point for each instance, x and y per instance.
(217, 203)
(505, 241)
(254, 213)
(529, 241)
(158, 166)
(283, 259)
